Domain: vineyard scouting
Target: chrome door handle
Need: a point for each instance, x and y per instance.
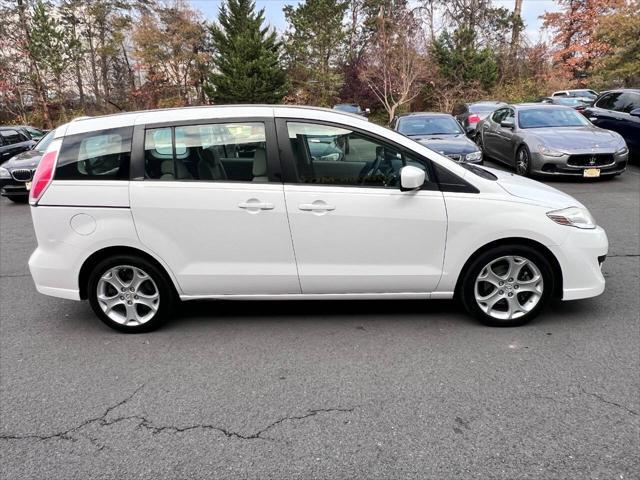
(254, 204)
(316, 207)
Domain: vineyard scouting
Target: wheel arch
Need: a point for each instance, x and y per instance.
(548, 254)
(107, 252)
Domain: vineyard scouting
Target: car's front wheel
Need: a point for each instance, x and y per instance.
(507, 286)
(130, 294)
(523, 162)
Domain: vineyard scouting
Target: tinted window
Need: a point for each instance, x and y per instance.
(212, 152)
(424, 125)
(626, 102)
(101, 155)
(337, 156)
(10, 137)
(499, 115)
(582, 93)
(550, 117)
(608, 100)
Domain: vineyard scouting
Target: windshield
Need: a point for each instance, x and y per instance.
(44, 142)
(582, 93)
(428, 126)
(550, 117)
(348, 108)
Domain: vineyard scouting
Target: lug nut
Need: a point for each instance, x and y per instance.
(511, 294)
(511, 279)
(136, 297)
(501, 283)
(129, 302)
(515, 287)
(121, 297)
(501, 292)
(123, 289)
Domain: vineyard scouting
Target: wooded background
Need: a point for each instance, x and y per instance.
(67, 58)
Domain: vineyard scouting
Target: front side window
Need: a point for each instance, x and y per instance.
(100, 155)
(608, 101)
(328, 155)
(10, 137)
(211, 152)
(499, 115)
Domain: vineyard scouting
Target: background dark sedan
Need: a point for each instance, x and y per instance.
(575, 103)
(619, 110)
(441, 133)
(18, 171)
(469, 114)
(12, 142)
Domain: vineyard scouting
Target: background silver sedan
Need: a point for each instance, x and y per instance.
(540, 139)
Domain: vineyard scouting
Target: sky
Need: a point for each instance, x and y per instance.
(531, 11)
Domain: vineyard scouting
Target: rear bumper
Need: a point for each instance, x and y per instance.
(52, 276)
(580, 257)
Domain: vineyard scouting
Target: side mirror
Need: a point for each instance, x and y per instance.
(411, 178)
(507, 124)
(635, 112)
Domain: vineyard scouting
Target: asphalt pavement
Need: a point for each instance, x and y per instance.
(366, 389)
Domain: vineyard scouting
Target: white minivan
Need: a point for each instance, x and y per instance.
(138, 210)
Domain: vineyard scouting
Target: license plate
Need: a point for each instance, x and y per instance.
(591, 172)
(28, 185)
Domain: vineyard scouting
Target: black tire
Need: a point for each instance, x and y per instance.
(16, 199)
(159, 282)
(470, 275)
(523, 151)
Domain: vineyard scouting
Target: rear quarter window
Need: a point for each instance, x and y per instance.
(101, 155)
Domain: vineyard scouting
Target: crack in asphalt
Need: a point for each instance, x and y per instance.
(144, 423)
(604, 400)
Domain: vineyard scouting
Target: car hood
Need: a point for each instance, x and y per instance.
(534, 191)
(585, 138)
(27, 159)
(447, 144)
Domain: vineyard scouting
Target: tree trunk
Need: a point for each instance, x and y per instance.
(515, 32)
(94, 69)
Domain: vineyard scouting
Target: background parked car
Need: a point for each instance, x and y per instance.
(575, 103)
(441, 133)
(584, 94)
(18, 171)
(352, 108)
(551, 140)
(619, 110)
(12, 142)
(469, 114)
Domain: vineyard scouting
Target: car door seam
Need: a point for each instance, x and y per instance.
(293, 245)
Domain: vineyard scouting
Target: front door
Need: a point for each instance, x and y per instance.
(210, 208)
(353, 230)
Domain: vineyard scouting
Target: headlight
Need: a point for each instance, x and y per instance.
(622, 150)
(4, 173)
(474, 156)
(549, 152)
(573, 217)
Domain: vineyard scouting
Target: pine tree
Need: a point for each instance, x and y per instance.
(246, 57)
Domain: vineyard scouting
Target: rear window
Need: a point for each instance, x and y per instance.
(101, 155)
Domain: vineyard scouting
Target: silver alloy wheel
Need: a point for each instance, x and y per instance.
(128, 295)
(508, 287)
(522, 162)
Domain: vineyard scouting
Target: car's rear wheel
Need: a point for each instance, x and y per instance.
(130, 294)
(507, 286)
(523, 162)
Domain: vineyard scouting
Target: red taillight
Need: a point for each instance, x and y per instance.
(43, 176)
(474, 118)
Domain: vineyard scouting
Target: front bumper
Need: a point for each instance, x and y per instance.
(559, 166)
(580, 257)
(13, 188)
